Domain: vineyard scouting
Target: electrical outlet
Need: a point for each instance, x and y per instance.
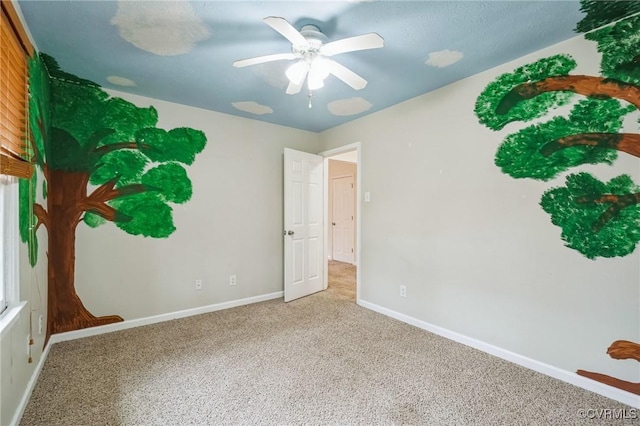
(40, 323)
(403, 291)
(232, 280)
(198, 284)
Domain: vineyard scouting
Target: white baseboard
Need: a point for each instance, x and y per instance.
(549, 370)
(29, 389)
(94, 331)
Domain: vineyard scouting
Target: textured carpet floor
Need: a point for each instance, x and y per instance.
(317, 360)
(342, 280)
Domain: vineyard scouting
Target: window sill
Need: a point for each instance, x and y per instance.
(10, 316)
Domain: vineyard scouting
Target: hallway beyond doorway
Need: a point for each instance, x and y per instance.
(342, 280)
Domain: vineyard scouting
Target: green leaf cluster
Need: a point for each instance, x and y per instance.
(39, 124)
(26, 218)
(576, 217)
(488, 101)
(39, 111)
(521, 156)
(619, 45)
(127, 165)
(148, 215)
(180, 144)
(599, 13)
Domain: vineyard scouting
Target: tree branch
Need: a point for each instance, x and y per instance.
(108, 191)
(105, 211)
(96, 137)
(624, 349)
(105, 190)
(624, 142)
(618, 202)
(612, 381)
(586, 85)
(105, 149)
(96, 202)
(42, 215)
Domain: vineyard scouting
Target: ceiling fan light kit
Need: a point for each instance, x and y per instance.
(312, 50)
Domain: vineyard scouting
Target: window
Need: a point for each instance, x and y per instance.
(13, 94)
(9, 239)
(14, 51)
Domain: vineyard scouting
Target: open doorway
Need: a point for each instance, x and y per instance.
(341, 218)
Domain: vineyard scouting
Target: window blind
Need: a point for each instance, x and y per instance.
(14, 92)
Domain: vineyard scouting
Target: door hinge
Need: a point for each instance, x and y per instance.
(351, 185)
(351, 217)
(351, 250)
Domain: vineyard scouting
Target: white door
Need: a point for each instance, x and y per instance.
(342, 218)
(303, 224)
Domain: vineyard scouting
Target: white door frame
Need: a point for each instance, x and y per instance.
(356, 146)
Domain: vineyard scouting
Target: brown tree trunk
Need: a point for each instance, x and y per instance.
(67, 191)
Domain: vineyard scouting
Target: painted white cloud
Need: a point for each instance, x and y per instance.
(443, 58)
(273, 73)
(252, 107)
(121, 81)
(164, 28)
(351, 106)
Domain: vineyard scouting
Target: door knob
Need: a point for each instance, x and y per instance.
(290, 232)
(333, 223)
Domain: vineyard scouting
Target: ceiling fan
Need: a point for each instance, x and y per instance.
(313, 51)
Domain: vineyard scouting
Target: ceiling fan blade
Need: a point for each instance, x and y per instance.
(346, 75)
(295, 87)
(282, 26)
(263, 59)
(351, 44)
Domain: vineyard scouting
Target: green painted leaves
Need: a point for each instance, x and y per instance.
(170, 181)
(532, 152)
(181, 144)
(134, 166)
(128, 165)
(494, 95)
(597, 218)
(599, 13)
(619, 47)
(149, 215)
(26, 217)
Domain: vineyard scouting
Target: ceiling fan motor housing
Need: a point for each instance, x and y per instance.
(315, 40)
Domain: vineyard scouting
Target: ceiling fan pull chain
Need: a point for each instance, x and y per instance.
(310, 95)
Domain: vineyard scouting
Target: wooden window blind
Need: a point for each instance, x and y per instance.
(14, 50)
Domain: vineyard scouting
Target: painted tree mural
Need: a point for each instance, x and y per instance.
(103, 159)
(598, 219)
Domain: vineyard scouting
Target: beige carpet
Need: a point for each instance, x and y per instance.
(342, 280)
(317, 360)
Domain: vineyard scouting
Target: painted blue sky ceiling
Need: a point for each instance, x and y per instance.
(182, 51)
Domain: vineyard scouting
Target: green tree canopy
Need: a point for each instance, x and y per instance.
(137, 168)
(597, 218)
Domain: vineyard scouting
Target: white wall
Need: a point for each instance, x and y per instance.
(15, 369)
(232, 225)
(477, 253)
